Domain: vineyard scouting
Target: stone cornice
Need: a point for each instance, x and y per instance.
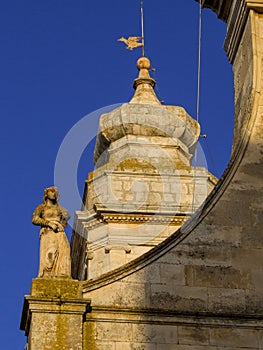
(235, 13)
(105, 216)
(236, 23)
(220, 7)
(137, 219)
(172, 317)
(256, 5)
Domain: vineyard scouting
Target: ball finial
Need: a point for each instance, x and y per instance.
(143, 63)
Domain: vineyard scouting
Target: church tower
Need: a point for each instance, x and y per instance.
(143, 187)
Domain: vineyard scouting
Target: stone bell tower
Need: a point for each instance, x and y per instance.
(144, 186)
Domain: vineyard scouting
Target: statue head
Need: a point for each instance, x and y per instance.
(54, 191)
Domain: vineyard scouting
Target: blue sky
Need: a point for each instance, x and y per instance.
(60, 60)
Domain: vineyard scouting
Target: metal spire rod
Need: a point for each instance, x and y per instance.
(142, 23)
(199, 60)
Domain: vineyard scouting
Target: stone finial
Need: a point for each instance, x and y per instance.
(144, 84)
(143, 65)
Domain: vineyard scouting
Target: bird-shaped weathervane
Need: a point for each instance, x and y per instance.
(133, 41)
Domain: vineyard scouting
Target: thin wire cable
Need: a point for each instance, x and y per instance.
(156, 88)
(199, 62)
(199, 84)
(211, 157)
(198, 93)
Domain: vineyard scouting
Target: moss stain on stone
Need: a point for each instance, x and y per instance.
(61, 341)
(89, 336)
(56, 288)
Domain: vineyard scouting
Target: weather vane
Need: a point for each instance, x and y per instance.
(133, 41)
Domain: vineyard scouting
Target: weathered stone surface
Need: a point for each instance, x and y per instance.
(243, 338)
(64, 333)
(217, 276)
(227, 300)
(193, 335)
(152, 333)
(105, 331)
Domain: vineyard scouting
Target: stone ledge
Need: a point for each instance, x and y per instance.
(173, 317)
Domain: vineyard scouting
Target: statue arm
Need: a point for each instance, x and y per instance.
(37, 219)
(65, 216)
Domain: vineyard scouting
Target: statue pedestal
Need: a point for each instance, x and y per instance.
(53, 314)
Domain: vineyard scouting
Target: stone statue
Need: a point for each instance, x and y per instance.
(54, 246)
